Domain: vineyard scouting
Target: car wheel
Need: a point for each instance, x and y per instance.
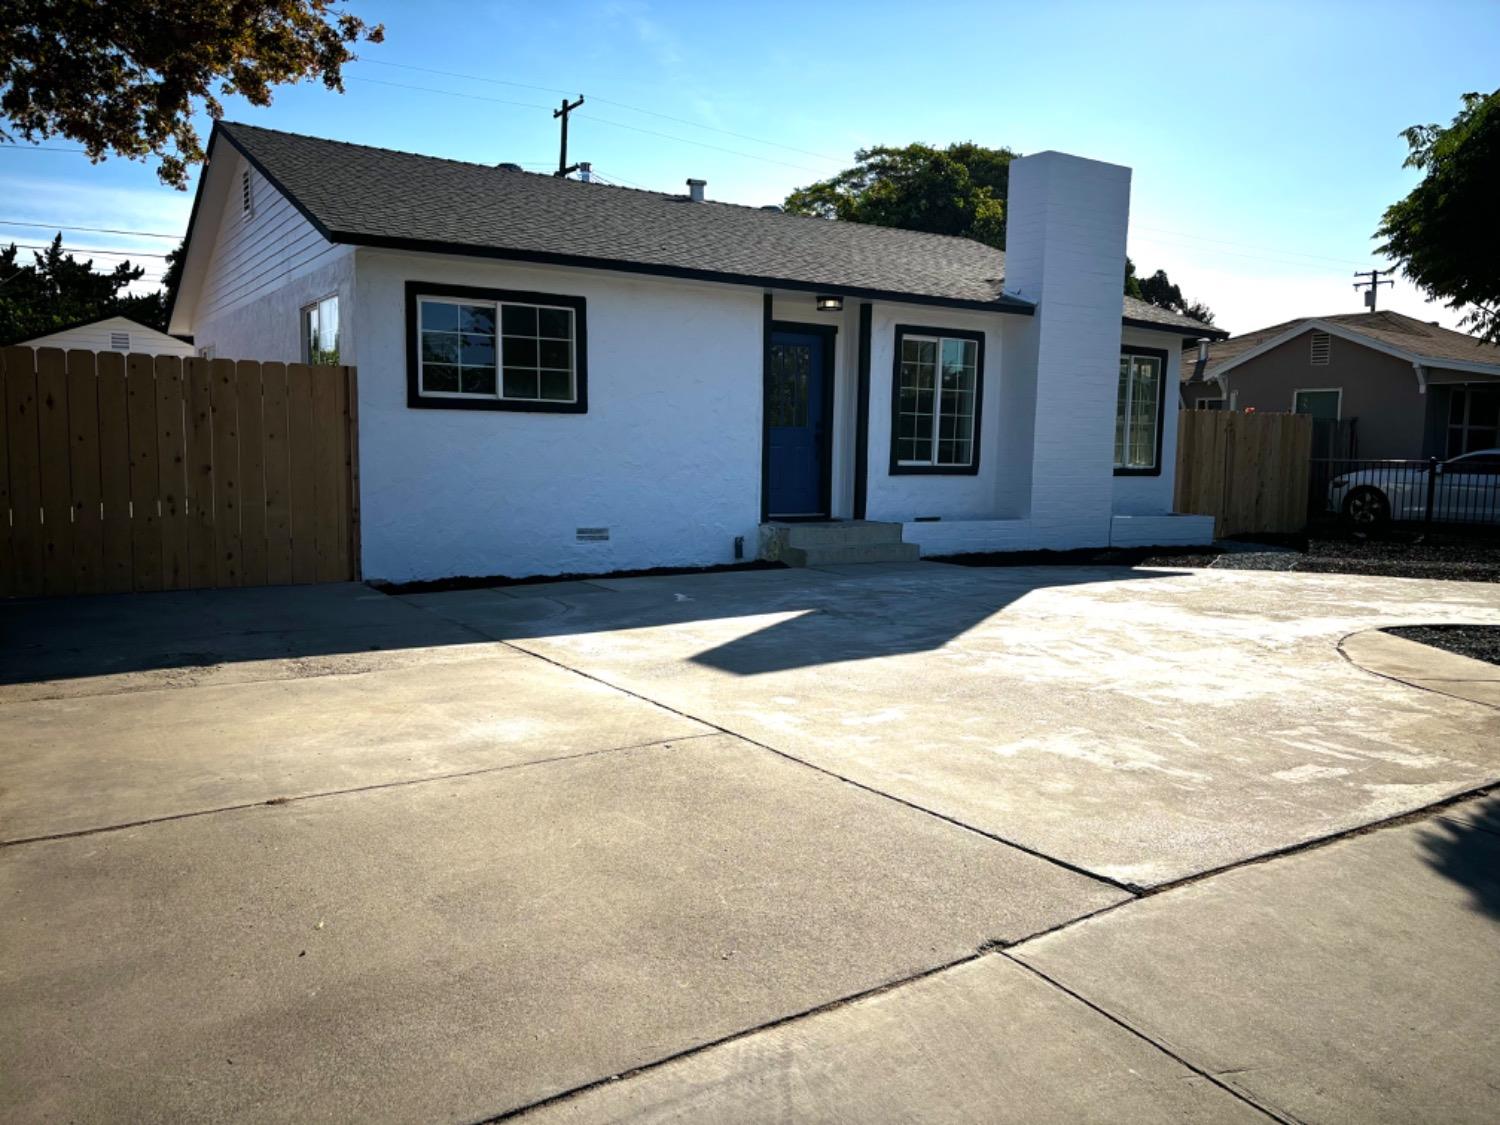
(1367, 507)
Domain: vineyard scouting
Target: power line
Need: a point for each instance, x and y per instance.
(38, 148)
(88, 250)
(596, 121)
(609, 101)
(94, 230)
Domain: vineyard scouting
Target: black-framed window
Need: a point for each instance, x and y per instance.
(495, 349)
(1473, 419)
(1138, 410)
(937, 385)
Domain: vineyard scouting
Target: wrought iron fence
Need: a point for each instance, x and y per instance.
(1464, 490)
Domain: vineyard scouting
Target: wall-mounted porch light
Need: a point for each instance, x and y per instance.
(830, 304)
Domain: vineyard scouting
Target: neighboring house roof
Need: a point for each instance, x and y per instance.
(378, 197)
(104, 335)
(1413, 340)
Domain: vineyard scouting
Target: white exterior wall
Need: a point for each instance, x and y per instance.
(95, 337)
(667, 457)
(264, 269)
(957, 496)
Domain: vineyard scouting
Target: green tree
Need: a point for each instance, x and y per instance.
(1446, 232)
(57, 289)
(1158, 290)
(126, 77)
(958, 190)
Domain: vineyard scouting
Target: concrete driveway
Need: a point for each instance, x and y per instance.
(857, 843)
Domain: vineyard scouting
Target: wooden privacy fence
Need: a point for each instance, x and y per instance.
(137, 472)
(1248, 471)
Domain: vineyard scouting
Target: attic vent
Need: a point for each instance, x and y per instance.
(1319, 355)
(119, 341)
(247, 201)
(593, 535)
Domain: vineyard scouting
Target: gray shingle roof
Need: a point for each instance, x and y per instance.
(374, 196)
(1431, 343)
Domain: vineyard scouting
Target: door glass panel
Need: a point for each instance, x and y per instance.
(791, 371)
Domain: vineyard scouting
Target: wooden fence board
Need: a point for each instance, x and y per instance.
(25, 470)
(145, 500)
(171, 459)
(1248, 471)
(7, 559)
(277, 474)
(351, 431)
(114, 472)
(300, 444)
(252, 475)
(151, 472)
(226, 474)
(198, 479)
(328, 478)
(83, 462)
(52, 445)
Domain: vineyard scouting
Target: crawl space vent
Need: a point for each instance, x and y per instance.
(593, 535)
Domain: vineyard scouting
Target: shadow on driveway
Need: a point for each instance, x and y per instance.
(1460, 845)
(822, 617)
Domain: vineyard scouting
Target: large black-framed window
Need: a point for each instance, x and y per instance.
(1138, 411)
(495, 349)
(937, 390)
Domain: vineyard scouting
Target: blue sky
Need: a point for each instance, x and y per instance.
(1263, 137)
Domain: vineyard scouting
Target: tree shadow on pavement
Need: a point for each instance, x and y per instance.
(1464, 845)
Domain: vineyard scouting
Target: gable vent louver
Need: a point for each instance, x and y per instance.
(593, 535)
(1320, 349)
(247, 199)
(119, 341)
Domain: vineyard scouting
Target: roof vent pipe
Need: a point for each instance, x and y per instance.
(695, 190)
(585, 171)
(1202, 349)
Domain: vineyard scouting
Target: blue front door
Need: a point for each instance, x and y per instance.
(796, 428)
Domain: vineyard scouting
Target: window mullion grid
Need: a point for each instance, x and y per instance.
(937, 403)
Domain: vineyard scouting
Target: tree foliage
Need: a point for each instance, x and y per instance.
(126, 77)
(959, 190)
(1158, 290)
(1446, 232)
(57, 290)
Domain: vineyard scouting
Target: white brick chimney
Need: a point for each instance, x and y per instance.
(1065, 250)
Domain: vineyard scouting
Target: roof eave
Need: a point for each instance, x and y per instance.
(546, 257)
(1194, 330)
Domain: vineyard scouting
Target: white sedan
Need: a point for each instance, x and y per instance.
(1466, 490)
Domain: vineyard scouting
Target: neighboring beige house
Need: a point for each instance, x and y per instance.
(1403, 388)
(113, 333)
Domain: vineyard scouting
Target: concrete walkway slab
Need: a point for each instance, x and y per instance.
(454, 949)
(88, 762)
(985, 1042)
(1144, 725)
(1358, 982)
(1424, 666)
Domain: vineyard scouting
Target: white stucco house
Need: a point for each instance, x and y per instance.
(113, 333)
(566, 377)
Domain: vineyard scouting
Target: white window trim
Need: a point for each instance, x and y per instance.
(937, 402)
(499, 307)
(314, 305)
(1339, 413)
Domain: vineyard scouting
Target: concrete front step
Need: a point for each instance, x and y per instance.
(866, 553)
(844, 533)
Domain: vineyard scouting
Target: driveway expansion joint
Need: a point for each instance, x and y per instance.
(276, 802)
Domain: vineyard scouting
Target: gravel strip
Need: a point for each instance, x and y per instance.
(1482, 642)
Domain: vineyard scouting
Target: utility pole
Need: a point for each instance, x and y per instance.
(563, 167)
(1373, 285)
